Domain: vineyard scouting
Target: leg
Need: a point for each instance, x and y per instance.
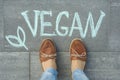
(78, 60)
(48, 60)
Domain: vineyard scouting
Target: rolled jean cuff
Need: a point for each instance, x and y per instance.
(50, 74)
(52, 71)
(78, 71)
(79, 75)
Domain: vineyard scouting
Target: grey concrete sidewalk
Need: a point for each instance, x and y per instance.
(18, 63)
(26, 66)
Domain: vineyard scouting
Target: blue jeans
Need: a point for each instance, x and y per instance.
(51, 74)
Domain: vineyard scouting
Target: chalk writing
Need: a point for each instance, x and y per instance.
(67, 31)
(90, 21)
(21, 42)
(62, 27)
(37, 13)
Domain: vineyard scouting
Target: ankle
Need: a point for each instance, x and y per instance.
(49, 64)
(77, 64)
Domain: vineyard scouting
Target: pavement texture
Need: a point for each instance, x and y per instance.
(20, 63)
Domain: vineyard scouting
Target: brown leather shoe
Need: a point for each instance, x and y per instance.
(47, 54)
(77, 50)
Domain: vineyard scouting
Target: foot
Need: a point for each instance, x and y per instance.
(78, 55)
(48, 54)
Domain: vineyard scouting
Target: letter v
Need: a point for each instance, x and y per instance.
(33, 30)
